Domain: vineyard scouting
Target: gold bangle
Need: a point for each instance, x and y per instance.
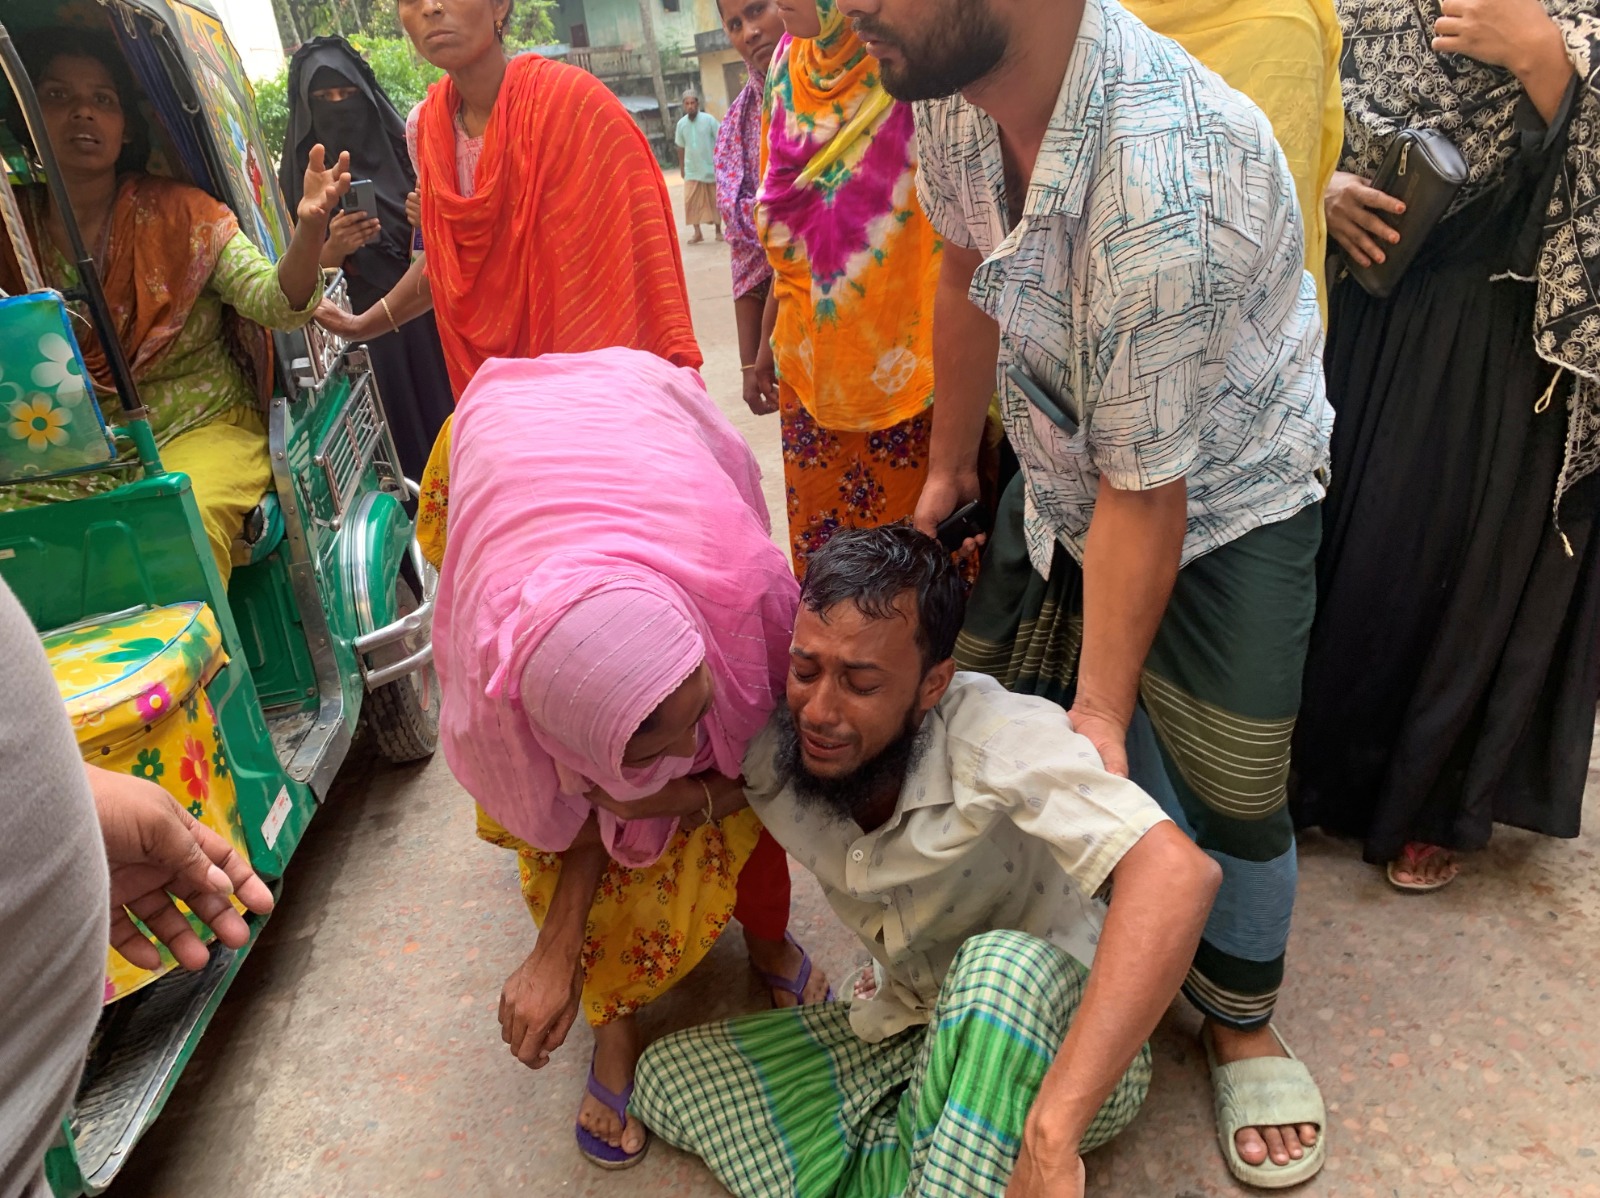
(393, 323)
(750, 367)
(711, 817)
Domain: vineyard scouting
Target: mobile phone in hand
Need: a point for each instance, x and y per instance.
(362, 197)
(966, 522)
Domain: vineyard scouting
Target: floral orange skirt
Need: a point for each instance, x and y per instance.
(840, 479)
(647, 927)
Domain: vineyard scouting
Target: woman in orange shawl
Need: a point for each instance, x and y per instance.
(545, 219)
(855, 266)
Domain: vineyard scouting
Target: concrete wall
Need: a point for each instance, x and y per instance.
(617, 23)
(714, 79)
(253, 30)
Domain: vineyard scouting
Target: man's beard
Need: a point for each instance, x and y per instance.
(846, 796)
(966, 45)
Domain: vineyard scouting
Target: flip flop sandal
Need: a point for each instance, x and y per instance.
(596, 1150)
(797, 984)
(1412, 855)
(1266, 1092)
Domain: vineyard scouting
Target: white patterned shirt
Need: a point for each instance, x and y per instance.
(1005, 821)
(1154, 286)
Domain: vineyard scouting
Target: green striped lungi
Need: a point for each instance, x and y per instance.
(1218, 699)
(792, 1104)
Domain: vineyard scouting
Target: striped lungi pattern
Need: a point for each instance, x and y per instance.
(1218, 699)
(792, 1104)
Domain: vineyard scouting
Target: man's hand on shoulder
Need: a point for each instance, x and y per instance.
(1107, 731)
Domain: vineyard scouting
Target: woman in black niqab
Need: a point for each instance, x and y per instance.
(335, 100)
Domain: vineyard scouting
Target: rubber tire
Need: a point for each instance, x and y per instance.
(394, 715)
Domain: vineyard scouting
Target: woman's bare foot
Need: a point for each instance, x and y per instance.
(617, 1048)
(1256, 1144)
(782, 959)
(1424, 867)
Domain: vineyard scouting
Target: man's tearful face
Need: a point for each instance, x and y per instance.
(849, 733)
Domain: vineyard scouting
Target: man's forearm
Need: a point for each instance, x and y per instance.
(1162, 891)
(966, 350)
(1130, 561)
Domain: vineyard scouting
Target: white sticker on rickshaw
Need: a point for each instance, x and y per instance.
(273, 824)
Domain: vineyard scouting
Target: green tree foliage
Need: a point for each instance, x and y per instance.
(302, 20)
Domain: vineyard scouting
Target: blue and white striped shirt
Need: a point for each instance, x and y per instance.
(1154, 285)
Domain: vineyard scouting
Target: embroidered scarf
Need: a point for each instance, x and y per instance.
(1393, 80)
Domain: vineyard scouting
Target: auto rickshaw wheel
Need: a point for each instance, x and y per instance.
(402, 717)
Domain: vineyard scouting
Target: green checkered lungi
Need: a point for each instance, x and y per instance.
(792, 1104)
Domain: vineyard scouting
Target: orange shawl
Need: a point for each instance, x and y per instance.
(164, 241)
(567, 243)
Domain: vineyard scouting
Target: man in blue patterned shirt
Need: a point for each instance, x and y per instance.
(1122, 239)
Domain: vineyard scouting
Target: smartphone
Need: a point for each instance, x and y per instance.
(961, 525)
(362, 197)
(1054, 410)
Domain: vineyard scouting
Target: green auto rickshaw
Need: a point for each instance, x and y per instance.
(242, 701)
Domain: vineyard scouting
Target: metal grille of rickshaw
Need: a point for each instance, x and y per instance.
(351, 444)
(324, 348)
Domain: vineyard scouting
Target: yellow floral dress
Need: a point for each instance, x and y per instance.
(647, 927)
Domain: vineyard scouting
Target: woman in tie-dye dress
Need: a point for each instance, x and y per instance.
(855, 266)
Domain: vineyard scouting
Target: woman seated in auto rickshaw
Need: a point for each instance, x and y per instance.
(189, 292)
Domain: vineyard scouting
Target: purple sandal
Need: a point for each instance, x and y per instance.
(797, 984)
(592, 1146)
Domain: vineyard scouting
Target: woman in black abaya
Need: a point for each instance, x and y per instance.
(334, 99)
(1451, 679)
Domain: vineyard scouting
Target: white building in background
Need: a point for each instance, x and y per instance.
(254, 32)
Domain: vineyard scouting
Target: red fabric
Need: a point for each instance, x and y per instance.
(567, 243)
(762, 901)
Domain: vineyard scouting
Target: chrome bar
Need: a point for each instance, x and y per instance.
(419, 659)
(407, 624)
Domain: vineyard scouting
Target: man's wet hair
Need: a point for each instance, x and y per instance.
(873, 567)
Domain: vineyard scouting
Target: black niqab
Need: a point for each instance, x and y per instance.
(371, 130)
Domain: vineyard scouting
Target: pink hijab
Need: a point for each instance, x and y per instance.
(607, 534)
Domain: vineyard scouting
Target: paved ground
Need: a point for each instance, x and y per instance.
(1457, 1036)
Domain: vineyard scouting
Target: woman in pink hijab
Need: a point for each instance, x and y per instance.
(613, 628)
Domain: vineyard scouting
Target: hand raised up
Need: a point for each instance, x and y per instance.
(324, 188)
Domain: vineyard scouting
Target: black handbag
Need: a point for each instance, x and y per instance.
(1424, 170)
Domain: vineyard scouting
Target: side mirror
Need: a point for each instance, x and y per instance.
(50, 423)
